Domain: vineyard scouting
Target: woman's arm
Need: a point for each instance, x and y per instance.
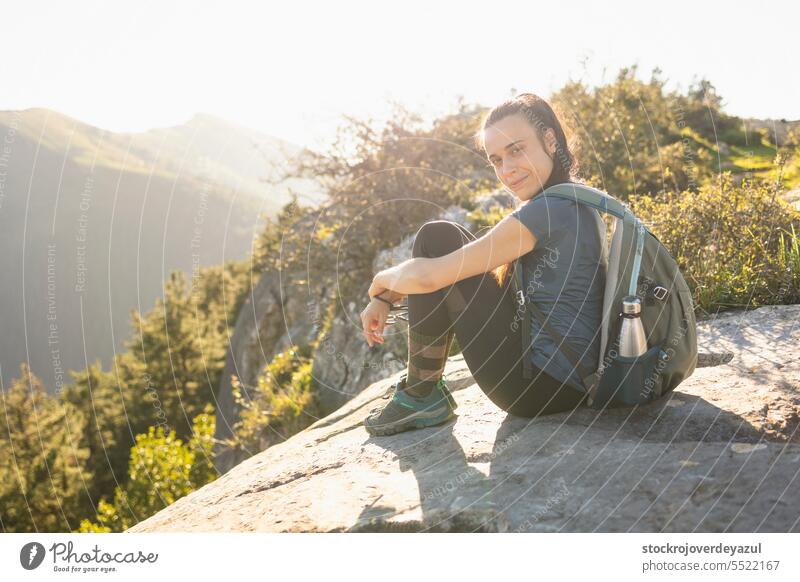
(505, 242)
(402, 279)
(502, 244)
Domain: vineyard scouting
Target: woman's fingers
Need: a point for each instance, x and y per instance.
(365, 325)
(372, 338)
(381, 326)
(376, 328)
(370, 324)
(373, 320)
(369, 335)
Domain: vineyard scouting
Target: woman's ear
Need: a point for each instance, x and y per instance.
(550, 141)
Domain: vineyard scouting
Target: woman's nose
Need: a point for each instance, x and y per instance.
(510, 173)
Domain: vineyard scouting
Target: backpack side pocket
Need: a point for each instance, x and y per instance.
(628, 381)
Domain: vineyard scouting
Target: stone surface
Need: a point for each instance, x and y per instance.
(721, 453)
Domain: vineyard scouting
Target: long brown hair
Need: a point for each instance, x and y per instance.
(542, 117)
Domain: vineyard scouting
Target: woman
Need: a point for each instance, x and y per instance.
(459, 285)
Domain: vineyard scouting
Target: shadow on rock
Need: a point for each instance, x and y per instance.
(454, 495)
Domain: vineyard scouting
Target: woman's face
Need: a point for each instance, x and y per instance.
(518, 156)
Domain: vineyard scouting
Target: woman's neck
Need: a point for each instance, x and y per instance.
(550, 183)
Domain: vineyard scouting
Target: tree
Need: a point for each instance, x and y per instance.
(174, 361)
(636, 138)
(383, 182)
(43, 474)
(282, 403)
(162, 469)
(97, 397)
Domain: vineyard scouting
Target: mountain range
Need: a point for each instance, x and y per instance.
(92, 222)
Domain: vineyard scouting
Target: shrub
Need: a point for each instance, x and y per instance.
(281, 404)
(162, 469)
(635, 137)
(737, 246)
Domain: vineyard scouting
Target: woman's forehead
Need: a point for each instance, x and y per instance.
(505, 132)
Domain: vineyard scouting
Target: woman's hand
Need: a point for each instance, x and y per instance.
(373, 320)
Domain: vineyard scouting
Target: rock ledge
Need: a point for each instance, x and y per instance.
(722, 453)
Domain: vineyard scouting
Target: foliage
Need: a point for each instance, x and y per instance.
(282, 403)
(95, 395)
(281, 242)
(737, 246)
(162, 469)
(42, 459)
(634, 137)
(382, 183)
(173, 363)
(83, 440)
(484, 220)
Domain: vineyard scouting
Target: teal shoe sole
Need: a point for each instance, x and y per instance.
(390, 429)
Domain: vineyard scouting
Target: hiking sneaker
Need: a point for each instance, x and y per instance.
(405, 412)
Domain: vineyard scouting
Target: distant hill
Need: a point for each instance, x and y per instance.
(231, 155)
(92, 222)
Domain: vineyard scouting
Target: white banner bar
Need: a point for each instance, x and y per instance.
(390, 556)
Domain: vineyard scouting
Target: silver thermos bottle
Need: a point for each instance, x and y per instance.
(632, 341)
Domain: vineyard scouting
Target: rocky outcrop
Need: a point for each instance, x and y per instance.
(721, 453)
(281, 311)
(267, 324)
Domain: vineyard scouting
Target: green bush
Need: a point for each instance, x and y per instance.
(739, 136)
(162, 469)
(383, 181)
(635, 137)
(737, 246)
(282, 403)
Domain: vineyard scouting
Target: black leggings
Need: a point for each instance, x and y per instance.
(481, 314)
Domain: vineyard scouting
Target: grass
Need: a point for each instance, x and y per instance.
(760, 160)
(757, 158)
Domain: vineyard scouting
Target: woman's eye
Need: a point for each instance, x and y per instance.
(516, 150)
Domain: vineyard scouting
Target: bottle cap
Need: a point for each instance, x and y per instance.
(631, 305)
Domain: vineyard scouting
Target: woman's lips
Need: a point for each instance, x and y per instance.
(517, 183)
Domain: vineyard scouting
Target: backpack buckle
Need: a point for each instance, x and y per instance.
(659, 292)
(520, 297)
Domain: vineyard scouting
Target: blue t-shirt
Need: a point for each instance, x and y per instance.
(565, 277)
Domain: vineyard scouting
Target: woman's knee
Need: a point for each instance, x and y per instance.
(437, 238)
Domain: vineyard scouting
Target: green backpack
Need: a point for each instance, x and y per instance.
(638, 264)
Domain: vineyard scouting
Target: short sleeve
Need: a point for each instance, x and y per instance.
(545, 216)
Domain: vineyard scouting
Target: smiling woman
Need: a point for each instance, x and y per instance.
(527, 146)
(458, 284)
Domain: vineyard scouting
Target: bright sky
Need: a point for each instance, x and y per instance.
(292, 68)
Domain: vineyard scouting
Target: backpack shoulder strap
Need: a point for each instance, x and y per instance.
(590, 197)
